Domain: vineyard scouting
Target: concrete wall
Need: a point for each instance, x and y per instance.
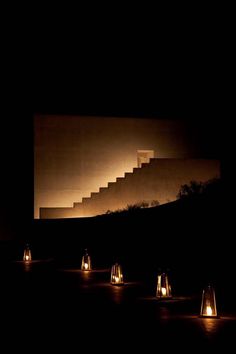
(76, 155)
(159, 180)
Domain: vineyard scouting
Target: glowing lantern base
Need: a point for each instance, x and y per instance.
(116, 275)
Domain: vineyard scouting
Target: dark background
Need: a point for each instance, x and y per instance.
(169, 66)
(159, 65)
(174, 63)
(162, 65)
(186, 81)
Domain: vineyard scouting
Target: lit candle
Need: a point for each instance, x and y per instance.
(209, 311)
(163, 291)
(26, 258)
(117, 279)
(86, 265)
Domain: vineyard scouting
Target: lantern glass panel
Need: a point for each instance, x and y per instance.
(208, 305)
(116, 275)
(86, 262)
(27, 257)
(163, 287)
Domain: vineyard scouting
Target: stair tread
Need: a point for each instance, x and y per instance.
(111, 183)
(118, 179)
(85, 198)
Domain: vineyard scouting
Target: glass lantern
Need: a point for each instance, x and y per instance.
(86, 262)
(27, 257)
(208, 306)
(116, 275)
(163, 287)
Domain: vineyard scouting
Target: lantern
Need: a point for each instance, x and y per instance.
(116, 275)
(163, 287)
(208, 306)
(27, 254)
(86, 262)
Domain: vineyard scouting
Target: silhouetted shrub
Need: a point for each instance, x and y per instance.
(155, 203)
(136, 206)
(195, 188)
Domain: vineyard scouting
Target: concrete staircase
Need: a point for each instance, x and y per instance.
(111, 186)
(160, 179)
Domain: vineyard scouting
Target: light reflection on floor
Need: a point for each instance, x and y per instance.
(90, 292)
(78, 270)
(210, 325)
(172, 300)
(28, 265)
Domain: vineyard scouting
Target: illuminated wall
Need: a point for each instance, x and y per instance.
(159, 180)
(75, 156)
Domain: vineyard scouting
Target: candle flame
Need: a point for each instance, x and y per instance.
(163, 291)
(209, 311)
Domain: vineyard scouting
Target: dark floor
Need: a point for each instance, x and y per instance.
(53, 306)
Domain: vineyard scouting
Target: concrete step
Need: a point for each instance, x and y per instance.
(85, 199)
(145, 164)
(136, 170)
(119, 179)
(103, 189)
(128, 174)
(94, 194)
(154, 160)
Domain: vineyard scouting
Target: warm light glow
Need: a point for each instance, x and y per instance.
(116, 275)
(209, 311)
(105, 151)
(27, 255)
(163, 290)
(208, 306)
(163, 287)
(86, 262)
